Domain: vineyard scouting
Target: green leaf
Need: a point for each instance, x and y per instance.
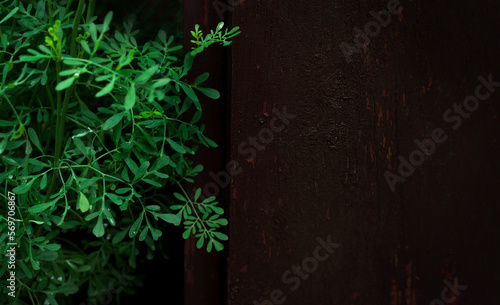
(72, 61)
(12, 12)
(170, 218)
(113, 121)
(119, 237)
(162, 35)
(161, 162)
(175, 146)
(201, 78)
(66, 289)
(135, 227)
(200, 242)
(43, 182)
(220, 236)
(130, 98)
(146, 75)
(21, 189)
(53, 247)
(107, 89)
(131, 164)
(83, 203)
(3, 144)
(155, 233)
(218, 246)
(144, 233)
(85, 46)
(34, 138)
(152, 182)
(92, 216)
(188, 62)
(39, 208)
(180, 197)
(190, 93)
(99, 227)
(81, 146)
(141, 171)
(186, 233)
(210, 93)
(65, 84)
(107, 21)
(197, 194)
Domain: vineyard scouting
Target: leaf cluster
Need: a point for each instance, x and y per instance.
(93, 129)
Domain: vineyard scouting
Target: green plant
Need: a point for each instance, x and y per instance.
(93, 126)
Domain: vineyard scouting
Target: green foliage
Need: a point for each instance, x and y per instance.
(92, 126)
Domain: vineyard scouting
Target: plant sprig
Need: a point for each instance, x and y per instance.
(93, 130)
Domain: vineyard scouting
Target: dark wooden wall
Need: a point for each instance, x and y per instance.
(323, 175)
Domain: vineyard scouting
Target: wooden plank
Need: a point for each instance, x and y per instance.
(323, 175)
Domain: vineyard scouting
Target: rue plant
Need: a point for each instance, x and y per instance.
(93, 130)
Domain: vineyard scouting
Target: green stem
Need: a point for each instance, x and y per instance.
(75, 27)
(58, 140)
(90, 10)
(51, 10)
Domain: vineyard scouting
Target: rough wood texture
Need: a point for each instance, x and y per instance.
(324, 174)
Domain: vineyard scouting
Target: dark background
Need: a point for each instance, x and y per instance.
(324, 174)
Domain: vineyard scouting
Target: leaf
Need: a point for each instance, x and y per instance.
(190, 93)
(3, 144)
(81, 146)
(131, 164)
(186, 233)
(141, 171)
(155, 233)
(180, 197)
(200, 242)
(66, 289)
(175, 146)
(99, 227)
(146, 75)
(92, 216)
(107, 89)
(43, 182)
(197, 194)
(188, 62)
(162, 35)
(218, 246)
(65, 84)
(119, 237)
(220, 235)
(130, 98)
(107, 21)
(39, 208)
(34, 138)
(53, 247)
(113, 121)
(152, 182)
(161, 162)
(72, 61)
(21, 189)
(144, 233)
(135, 227)
(85, 46)
(201, 78)
(83, 203)
(170, 218)
(12, 12)
(210, 93)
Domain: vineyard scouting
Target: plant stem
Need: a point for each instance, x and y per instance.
(51, 10)
(90, 10)
(75, 27)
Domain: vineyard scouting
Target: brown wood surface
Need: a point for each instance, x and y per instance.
(323, 175)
